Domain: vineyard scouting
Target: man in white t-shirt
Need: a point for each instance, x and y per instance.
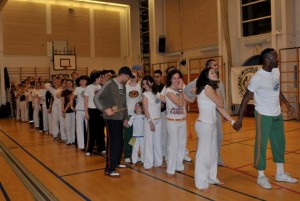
(265, 87)
(133, 95)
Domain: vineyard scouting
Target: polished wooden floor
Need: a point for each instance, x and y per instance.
(70, 175)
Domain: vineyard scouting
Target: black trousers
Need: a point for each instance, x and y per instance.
(30, 111)
(41, 122)
(115, 141)
(95, 131)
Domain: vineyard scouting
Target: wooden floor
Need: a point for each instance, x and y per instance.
(70, 175)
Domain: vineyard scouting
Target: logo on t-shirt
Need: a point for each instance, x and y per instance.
(157, 100)
(276, 85)
(82, 94)
(177, 111)
(134, 94)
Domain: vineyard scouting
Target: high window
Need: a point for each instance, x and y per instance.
(256, 17)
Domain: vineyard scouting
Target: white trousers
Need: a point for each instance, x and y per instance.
(50, 123)
(70, 127)
(23, 111)
(164, 134)
(80, 121)
(176, 145)
(45, 118)
(138, 146)
(36, 119)
(58, 123)
(206, 162)
(153, 155)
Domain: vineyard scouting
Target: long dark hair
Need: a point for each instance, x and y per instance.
(154, 87)
(170, 75)
(204, 80)
(93, 76)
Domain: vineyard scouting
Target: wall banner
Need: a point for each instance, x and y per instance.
(240, 79)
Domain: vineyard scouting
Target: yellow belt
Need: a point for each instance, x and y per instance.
(170, 119)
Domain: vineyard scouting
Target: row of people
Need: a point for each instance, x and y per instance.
(134, 116)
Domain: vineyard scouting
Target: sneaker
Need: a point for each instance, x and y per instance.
(87, 153)
(187, 159)
(264, 182)
(127, 160)
(103, 152)
(121, 166)
(112, 174)
(285, 177)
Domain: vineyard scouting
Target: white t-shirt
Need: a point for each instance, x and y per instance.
(153, 104)
(207, 108)
(266, 88)
(42, 95)
(137, 121)
(133, 95)
(56, 101)
(90, 92)
(174, 111)
(35, 93)
(79, 92)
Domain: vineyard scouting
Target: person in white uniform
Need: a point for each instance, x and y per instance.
(137, 122)
(57, 119)
(81, 121)
(36, 104)
(189, 90)
(68, 112)
(209, 99)
(133, 95)
(186, 156)
(152, 123)
(43, 114)
(176, 122)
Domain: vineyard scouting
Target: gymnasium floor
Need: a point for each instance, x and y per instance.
(70, 175)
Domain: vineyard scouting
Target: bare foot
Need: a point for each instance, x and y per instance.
(169, 175)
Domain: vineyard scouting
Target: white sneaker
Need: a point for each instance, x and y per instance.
(187, 159)
(264, 182)
(285, 177)
(87, 153)
(121, 166)
(127, 160)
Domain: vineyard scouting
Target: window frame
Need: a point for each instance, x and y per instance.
(242, 22)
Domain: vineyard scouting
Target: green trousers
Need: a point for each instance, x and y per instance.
(268, 127)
